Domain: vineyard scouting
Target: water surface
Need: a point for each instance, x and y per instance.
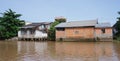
(59, 51)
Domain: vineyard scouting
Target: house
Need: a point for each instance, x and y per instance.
(34, 31)
(88, 30)
(104, 31)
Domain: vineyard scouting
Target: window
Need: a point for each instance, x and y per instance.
(41, 27)
(60, 29)
(32, 31)
(76, 32)
(103, 30)
(23, 32)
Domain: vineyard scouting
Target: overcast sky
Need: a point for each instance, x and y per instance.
(73, 10)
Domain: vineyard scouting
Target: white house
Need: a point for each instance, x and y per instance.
(34, 31)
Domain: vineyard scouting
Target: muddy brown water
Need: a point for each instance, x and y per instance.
(59, 51)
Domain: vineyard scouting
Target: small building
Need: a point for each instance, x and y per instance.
(89, 30)
(34, 31)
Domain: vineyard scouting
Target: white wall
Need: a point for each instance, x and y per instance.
(19, 34)
(39, 34)
(28, 34)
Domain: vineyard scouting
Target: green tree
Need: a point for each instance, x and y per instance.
(9, 24)
(51, 31)
(117, 28)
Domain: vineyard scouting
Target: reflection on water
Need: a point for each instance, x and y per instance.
(59, 51)
(82, 51)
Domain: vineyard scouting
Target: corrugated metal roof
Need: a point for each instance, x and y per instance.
(103, 25)
(28, 27)
(33, 25)
(78, 23)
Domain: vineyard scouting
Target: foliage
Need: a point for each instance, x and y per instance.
(9, 24)
(118, 38)
(117, 27)
(52, 32)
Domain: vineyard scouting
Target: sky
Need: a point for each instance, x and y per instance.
(72, 10)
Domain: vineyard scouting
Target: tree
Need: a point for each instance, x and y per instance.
(9, 24)
(51, 31)
(117, 28)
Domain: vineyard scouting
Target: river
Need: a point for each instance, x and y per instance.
(59, 51)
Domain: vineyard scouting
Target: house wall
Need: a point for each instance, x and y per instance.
(28, 35)
(79, 32)
(36, 34)
(19, 34)
(75, 34)
(25, 34)
(99, 34)
(60, 34)
(39, 34)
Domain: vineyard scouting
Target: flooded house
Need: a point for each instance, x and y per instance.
(87, 30)
(34, 31)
